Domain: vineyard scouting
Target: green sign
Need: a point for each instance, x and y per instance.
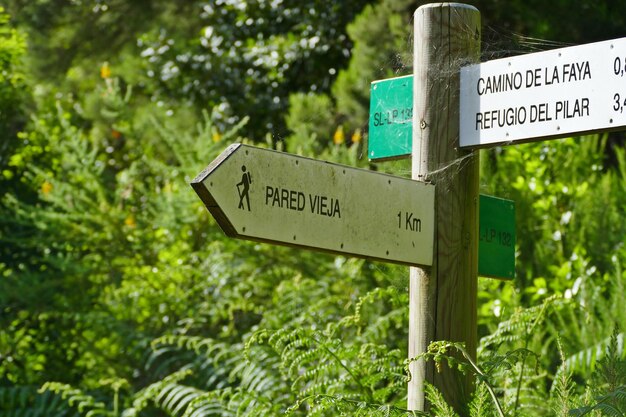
(391, 118)
(496, 247)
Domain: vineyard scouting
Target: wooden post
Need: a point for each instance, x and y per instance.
(443, 299)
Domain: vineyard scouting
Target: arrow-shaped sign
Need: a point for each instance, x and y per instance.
(274, 197)
(550, 94)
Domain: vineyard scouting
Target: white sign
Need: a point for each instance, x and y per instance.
(275, 197)
(557, 93)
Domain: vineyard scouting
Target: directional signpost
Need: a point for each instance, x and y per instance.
(390, 137)
(275, 197)
(543, 95)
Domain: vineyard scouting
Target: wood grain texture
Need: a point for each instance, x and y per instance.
(443, 299)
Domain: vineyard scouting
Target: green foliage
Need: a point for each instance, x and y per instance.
(84, 403)
(585, 361)
(482, 404)
(562, 389)
(21, 401)
(564, 199)
(246, 53)
(380, 51)
(14, 93)
(308, 120)
(605, 404)
(438, 404)
(534, 21)
(12, 50)
(609, 382)
(66, 34)
(95, 196)
(333, 405)
(240, 58)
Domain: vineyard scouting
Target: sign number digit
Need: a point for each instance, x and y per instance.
(618, 105)
(412, 224)
(618, 66)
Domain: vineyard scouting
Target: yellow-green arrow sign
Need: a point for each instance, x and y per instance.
(274, 197)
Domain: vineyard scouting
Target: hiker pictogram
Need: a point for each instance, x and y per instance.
(243, 188)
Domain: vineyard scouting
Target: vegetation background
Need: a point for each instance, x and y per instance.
(120, 296)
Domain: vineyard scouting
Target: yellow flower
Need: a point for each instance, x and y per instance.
(339, 137)
(357, 136)
(105, 71)
(46, 187)
(130, 221)
(216, 136)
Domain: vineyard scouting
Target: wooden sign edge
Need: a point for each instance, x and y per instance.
(205, 196)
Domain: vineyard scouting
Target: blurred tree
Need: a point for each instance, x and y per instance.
(556, 21)
(382, 49)
(238, 57)
(63, 33)
(14, 94)
(247, 57)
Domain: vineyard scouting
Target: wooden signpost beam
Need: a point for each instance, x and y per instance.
(443, 298)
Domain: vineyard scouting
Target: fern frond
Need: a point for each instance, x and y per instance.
(193, 150)
(440, 351)
(562, 389)
(521, 324)
(611, 404)
(495, 362)
(315, 373)
(231, 402)
(481, 404)
(174, 398)
(334, 405)
(353, 367)
(258, 376)
(377, 314)
(156, 392)
(585, 361)
(217, 366)
(195, 343)
(212, 361)
(75, 398)
(165, 359)
(23, 401)
(438, 404)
